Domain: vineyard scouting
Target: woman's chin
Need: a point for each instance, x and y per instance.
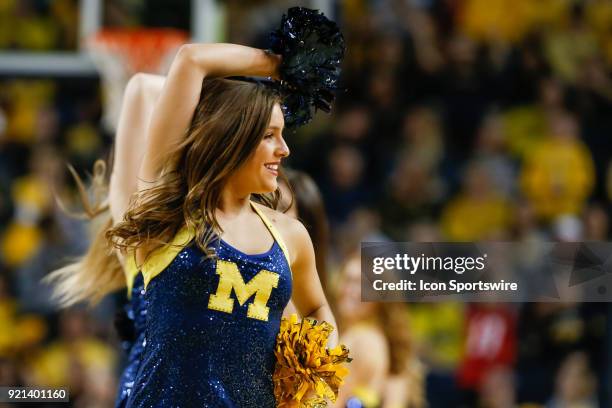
(267, 188)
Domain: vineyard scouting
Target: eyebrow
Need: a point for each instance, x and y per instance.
(274, 127)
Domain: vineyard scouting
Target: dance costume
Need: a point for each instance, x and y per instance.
(211, 325)
(136, 312)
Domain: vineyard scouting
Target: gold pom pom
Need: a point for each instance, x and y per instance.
(305, 366)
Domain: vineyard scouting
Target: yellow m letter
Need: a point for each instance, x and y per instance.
(230, 278)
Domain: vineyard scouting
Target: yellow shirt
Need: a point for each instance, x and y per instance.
(557, 177)
(468, 218)
(509, 20)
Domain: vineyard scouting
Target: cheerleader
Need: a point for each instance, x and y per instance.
(218, 263)
(139, 99)
(100, 271)
(197, 194)
(385, 373)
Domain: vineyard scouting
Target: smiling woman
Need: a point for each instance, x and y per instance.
(201, 173)
(231, 152)
(260, 173)
(219, 263)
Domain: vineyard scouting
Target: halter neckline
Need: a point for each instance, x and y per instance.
(160, 258)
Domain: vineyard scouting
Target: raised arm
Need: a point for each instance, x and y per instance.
(139, 98)
(179, 97)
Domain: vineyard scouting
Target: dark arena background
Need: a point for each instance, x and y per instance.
(462, 120)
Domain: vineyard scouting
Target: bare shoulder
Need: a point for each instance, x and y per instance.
(366, 337)
(293, 232)
(369, 343)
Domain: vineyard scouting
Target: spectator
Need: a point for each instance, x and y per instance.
(558, 174)
(575, 384)
(479, 211)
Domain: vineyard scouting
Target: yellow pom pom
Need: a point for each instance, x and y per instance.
(305, 366)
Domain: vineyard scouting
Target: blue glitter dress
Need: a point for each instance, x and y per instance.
(137, 312)
(212, 325)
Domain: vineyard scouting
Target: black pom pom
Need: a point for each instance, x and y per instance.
(312, 49)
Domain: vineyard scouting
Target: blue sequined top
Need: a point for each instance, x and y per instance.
(211, 325)
(137, 312)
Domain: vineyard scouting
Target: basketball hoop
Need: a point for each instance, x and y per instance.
(120, 53)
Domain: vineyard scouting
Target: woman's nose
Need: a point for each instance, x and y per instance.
(283, 149)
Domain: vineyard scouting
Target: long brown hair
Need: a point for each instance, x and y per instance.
(228, 124)
(311, 211)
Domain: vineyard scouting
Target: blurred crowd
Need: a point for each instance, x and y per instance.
(462, 120)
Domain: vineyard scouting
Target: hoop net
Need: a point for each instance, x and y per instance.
(120, 53)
